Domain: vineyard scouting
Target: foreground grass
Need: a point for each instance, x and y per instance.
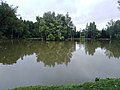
(102, 84)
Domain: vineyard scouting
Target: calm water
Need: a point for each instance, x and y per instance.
(26, 63)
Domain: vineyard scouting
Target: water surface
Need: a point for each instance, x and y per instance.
(26, 63)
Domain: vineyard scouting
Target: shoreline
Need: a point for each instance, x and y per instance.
(99, 84)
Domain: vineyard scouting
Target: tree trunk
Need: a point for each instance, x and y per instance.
(110, 37)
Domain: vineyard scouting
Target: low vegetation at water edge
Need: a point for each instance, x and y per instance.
(99, 84)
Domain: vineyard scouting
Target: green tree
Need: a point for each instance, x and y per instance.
(92, 31)
(8, 20)
(48, 27)
(110, 28)
(117, 29)
(58, 26)
(103, 33)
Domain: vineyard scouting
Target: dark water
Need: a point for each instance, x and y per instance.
(26, 63)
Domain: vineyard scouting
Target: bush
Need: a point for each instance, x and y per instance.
(51, 37)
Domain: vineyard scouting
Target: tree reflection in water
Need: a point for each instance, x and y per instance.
(50, 53)
(111, 47)
(53, 53)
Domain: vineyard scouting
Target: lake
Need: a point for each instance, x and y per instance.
(26, 63)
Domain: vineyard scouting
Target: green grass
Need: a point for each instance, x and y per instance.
(101, 84)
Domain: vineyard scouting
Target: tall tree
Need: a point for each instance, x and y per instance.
(8, 19)
(91, 30)
(56, 27)
(110, 28)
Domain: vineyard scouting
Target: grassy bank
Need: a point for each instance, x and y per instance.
(102, 84)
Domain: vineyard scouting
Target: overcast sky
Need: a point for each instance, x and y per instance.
(81, 11)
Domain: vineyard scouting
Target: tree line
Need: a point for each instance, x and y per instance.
(111, 32)
(50, 26)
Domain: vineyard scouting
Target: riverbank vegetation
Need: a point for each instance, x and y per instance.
(50, 26)
(100, 84)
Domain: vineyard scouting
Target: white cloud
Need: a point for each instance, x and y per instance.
(81, 11)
